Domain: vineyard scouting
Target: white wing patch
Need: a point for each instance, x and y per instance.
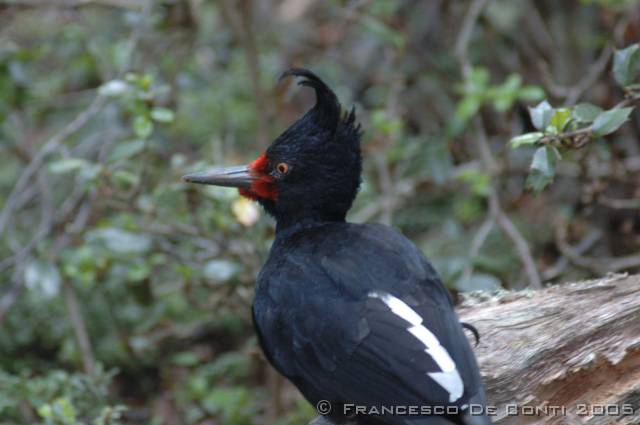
(449, 378)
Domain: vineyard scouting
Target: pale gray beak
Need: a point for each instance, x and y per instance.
(229, 177)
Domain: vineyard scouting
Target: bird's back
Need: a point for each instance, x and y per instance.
(355, 314)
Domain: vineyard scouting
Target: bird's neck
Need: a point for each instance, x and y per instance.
(289, 224)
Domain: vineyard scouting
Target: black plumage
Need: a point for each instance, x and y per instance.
(352, 314)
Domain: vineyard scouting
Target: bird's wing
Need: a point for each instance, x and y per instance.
(376, 327)
(391, 353)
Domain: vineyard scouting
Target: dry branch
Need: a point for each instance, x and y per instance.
(575, 346)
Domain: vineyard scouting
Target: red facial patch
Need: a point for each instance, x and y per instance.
(263, 186)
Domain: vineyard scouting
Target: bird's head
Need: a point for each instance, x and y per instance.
(312, 170)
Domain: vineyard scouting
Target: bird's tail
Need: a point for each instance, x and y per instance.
(472, 416)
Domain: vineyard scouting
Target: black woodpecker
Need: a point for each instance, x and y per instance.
(352, 314)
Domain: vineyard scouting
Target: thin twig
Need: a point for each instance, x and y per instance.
(476, 243)
(522, 247)
(573, 93)
(538, 28)
(488, 160)
(468, 24)
(594, 73)
(619, 204)
(241, 23)
(598, 265)
(583, 246)
(79, 328)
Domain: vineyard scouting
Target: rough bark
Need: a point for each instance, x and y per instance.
(574, 346)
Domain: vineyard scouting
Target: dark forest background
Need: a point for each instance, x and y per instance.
(125, 294)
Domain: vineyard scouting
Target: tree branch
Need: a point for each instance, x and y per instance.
(598, 265)
(468, 24)
(567, 345)
(79, 328)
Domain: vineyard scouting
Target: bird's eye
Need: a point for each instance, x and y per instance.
(282, 168)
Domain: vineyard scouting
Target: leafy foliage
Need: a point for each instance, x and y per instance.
(572, 128)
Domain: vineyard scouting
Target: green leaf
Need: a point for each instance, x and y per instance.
(503, 103)
(626, 64)
(138, 272)
(162, 115)
(383, 32)
(438, 160)
(609, 121)
(479, 79)
(504, 15)
(220, 270)
(468, 107)
(185, 358)
(66, 410)
(145, 81)
(125, 178)
(142, 126)
(90, 172)
(544, 161)
(586, 112)
(543, 169)
(480, 182)
(526, 139)
(67, 165)
(60, 412)
(45, 411)
(561, 118)
(110, 415)
(537, 181)
(127, 150)
(541, 115)
(120, 241)
(385, 124)
(531, 93)
(384, 8)
(43, 278)
(513, 83)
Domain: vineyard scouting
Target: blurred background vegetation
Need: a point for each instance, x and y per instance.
(125, 294)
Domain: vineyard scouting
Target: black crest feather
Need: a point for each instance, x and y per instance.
(326, 111)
